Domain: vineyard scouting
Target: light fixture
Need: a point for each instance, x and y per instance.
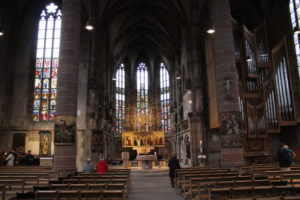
(296, 30)
(178, 77)
(211, 30)
(248, 59)
(1, 30)
(89, 26)
(114, 78)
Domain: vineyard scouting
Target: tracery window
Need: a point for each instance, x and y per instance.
(120, 98)
(142, 97)
(295, 14)
(165, 98)
(46, 65)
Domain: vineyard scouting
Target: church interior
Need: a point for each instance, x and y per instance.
(214, 82)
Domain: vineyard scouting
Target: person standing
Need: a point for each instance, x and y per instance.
(173, 165)
(10, 158)
(101, 166)
(285, 158)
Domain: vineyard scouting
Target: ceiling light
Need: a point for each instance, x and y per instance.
(211, 30)
(178, 77)
(1, 32)
(89, 26)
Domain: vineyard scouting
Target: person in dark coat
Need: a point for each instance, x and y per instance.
(173, 165)
(29, 158)
(284, 157)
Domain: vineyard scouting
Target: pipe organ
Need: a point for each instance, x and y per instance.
(266, 97)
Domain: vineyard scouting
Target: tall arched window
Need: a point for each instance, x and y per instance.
(120, 98)
(47, 54)
(294, 9)
(165, 98)
(142, 97)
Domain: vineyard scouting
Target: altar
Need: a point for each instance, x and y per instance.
(143, 142)
(146, 160)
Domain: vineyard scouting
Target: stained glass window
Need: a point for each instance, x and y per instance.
(120, 98)
(295, 13)
(165, 98)
(142, 98)
(47, 54)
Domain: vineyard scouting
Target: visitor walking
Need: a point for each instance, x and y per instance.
(173, 165)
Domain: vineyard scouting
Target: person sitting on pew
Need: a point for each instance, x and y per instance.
(102, 166)
(88, 167)
(29, 158)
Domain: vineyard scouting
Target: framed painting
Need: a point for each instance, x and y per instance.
(65, 130)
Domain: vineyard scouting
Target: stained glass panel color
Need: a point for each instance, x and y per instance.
(295, 21)
(142, 98)
(47, 56)
(165, 98)
(120, 98)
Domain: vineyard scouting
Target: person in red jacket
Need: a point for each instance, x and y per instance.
(101, 166)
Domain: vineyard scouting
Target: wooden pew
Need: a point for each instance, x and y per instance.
(13, 184)
(79, 194)
(29, 180)
(121, 181)
(3, 190)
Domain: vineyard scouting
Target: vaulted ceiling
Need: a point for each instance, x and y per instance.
(144, 30)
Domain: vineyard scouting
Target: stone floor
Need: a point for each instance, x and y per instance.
(153, 184)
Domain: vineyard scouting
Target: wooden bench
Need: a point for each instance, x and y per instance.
(3, 190)
(81, 194)
(13, 184)
(121, 181)
(29, 180)
(87, 186)
(44, 175)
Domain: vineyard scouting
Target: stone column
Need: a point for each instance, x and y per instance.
(227, 84)
(196, 119)
(65, 121)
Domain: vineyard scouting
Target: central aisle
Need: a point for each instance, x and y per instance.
(152, 184)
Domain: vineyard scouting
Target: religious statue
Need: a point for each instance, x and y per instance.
(44, 145)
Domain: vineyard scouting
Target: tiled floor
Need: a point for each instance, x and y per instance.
(152, 184)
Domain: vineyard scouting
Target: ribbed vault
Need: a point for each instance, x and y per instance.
(145, 29)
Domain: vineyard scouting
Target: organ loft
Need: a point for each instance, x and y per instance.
(216, 82)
